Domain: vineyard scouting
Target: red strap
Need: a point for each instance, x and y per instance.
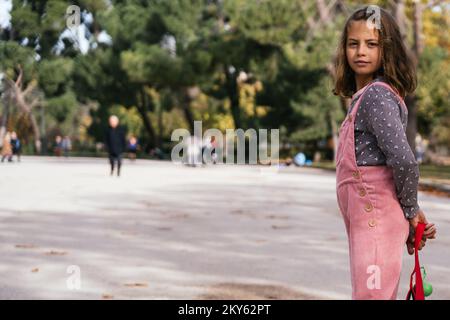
(418, 292)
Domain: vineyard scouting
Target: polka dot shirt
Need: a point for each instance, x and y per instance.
(380, 139)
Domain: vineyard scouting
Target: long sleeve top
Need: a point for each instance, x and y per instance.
(380, 139)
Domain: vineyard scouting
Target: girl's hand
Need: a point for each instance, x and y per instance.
(430, 231)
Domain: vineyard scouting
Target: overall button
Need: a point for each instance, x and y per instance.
(362, 192)
(350, 117)
(368, 207)
(355, 174)
(372, 223)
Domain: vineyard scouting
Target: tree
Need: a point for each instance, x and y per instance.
(35, 73)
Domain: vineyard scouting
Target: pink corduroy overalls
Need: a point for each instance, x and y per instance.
(376, 226)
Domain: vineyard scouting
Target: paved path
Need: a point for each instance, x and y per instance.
(170, 232)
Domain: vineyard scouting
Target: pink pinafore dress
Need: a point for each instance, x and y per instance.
(376, 227)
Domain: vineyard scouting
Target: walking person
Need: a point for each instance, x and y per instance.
(57, 149)
(376, 172)
(16, 145)
(115, 143)
(7, 148)
(132, 148)
(66, 146)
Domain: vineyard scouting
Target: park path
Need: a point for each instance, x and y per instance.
(163, 231)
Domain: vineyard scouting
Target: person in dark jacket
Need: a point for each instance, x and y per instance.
(115, 143)
(16, 145)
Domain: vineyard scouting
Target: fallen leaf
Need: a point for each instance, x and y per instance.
(179, 216)
(55, 253)
(280, 227)
(136, 285)
(25, 246)
(35, 270)
(164, 228)
(128, 233)
(107, 296)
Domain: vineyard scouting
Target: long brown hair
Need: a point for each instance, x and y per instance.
(397, 67)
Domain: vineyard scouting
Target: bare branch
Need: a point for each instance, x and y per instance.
(341, 5)
(9, 82)
(30, 87)
(324, 10)
(331, 5)
(310, 20)
(324, 13)
(392, 3)
(19, 78)
(34, 103)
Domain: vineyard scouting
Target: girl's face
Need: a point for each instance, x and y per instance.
(363, 48)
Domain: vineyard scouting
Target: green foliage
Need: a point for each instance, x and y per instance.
(151, 64)
(266, 22)
(55, 75)
(161, 49)
(129, 118)
(318, 107)
(62, 107)
(434, 94)
(12, 55)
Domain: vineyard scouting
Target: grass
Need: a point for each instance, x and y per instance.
(435, 171)
(426, 170)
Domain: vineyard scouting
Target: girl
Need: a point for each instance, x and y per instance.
(376, 171)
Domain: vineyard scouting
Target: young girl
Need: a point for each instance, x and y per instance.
(376, 171)
(6, 148)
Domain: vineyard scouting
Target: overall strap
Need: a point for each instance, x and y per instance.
(359, 100)
(402, 102)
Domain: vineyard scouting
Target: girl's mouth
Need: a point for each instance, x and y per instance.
(361, 63)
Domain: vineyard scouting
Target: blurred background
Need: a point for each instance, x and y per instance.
(160, 65)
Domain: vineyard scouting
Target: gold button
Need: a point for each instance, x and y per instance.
(368, 207)
(362, 192)
(350, 117)
(355, 174)
(372, 223)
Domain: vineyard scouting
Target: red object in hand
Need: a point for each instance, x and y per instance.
(416, 291)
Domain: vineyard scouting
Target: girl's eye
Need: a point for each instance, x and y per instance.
(352, 44)
(373, 44)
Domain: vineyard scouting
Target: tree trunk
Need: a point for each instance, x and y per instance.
(142, 107)
(232, 92)
(323, 11)
(415, 52)
(6, 102)
(399, 14)
(186, 106)
(36, 132)
(43, 131)
(20, 99)
(418, 36)
(160, 124)
(26, 109)
(334, 134)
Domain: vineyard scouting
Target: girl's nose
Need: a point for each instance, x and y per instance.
(361, 50)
